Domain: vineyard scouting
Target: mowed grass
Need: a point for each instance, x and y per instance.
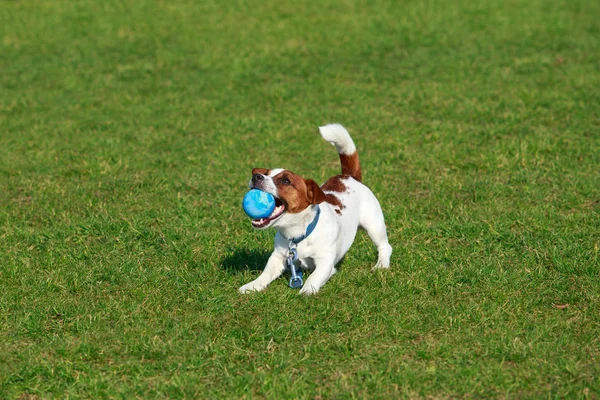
(128, 130)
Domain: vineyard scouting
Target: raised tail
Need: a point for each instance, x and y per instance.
(338, 136)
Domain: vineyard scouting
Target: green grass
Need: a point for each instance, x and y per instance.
(128, 130)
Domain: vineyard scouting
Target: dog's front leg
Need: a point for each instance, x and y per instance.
(324, 269)
(273, 270)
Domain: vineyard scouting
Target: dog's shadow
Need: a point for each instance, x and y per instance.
(243, 259)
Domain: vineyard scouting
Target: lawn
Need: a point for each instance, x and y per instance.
(128, 130)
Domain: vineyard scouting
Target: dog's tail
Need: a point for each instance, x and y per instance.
(338, 136)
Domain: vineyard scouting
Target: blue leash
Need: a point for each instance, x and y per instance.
(296, 279)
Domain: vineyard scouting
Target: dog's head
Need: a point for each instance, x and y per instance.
(293, 194)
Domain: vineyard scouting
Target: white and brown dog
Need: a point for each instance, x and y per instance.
(321, 221)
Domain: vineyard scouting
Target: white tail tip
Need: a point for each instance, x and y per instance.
(338, 136)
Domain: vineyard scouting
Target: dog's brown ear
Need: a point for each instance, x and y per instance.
(314, 194)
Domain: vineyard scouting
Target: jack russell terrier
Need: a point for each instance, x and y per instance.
(317, 225)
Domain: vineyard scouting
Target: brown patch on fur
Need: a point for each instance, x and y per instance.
(351, 165)
(296, 192)
(335, 184)
(334, 201)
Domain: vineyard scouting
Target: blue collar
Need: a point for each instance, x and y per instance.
(309, 229)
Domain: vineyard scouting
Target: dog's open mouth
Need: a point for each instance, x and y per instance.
(263, 222)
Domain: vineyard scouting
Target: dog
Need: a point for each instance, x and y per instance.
(319, 222)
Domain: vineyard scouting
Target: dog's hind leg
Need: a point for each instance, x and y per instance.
(371, 220)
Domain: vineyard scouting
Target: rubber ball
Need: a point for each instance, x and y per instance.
(258, 204)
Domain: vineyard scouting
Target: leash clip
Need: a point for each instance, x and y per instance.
(296, 279)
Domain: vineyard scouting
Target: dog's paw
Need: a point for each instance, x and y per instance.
(308, 290)
(251, 287)
(381, 264)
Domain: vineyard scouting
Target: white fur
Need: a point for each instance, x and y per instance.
(334, 233)
(338, 136)
(275, 171)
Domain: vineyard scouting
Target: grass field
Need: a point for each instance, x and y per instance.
(128, 130)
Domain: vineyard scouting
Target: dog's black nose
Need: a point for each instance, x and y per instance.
(257, 177)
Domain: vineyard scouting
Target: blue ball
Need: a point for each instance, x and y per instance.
(258, 204)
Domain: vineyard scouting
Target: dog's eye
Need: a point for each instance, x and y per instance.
(285, 181)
